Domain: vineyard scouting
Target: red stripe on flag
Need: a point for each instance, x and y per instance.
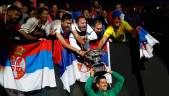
(34, 48)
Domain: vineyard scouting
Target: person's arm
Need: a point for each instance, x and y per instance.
(108, 32)
(27, 28)
(73, 42)
(88, 89)
(130, 29)
(119, 83)
(102, 42)
(75, 35)
(78, 38)
(27, 36)
(68, 46)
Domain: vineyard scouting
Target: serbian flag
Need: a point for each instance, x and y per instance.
(146, 43)
(68, 64)
(27, 67)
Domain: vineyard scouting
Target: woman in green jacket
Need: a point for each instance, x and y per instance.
(102, 85)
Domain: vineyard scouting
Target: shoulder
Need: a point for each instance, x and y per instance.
(32, 19)
(124, 22)
(109, 28)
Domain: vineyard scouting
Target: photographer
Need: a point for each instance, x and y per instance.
(102, 85)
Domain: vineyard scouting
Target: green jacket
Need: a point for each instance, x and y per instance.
(111, 92)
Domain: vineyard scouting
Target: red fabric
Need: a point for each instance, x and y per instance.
(94, 45)
(57, 52)
(57, 55)
(34, 48)
(34, 4)
(110, 19)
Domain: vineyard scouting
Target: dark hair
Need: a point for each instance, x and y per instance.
(13, 8)
(97, 80)
(66, 16)
(96, 21)
(41, 10)
(79, 17)
(99, 77)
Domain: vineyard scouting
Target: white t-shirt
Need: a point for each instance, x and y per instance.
(31, 24)
(90, 34)
(54, 27)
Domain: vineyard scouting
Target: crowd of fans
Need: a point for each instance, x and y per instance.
(27, 24)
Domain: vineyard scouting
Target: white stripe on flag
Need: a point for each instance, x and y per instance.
(108, 76)
(70, 75)
(147, 50)
(30, 81)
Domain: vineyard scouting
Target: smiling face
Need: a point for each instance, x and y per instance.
(44, 15)
(55, 8)
(102, 84)
(116, 22)
(13, 16)
(66, 25)
(98, 28)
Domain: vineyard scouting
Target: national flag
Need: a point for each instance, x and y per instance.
(28, 67)
(68, 63)
(146, 43)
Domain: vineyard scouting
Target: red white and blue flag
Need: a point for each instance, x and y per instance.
(68, 64)
(146, 42)
(28, 67)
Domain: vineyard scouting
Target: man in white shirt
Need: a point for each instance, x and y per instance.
(84, 30)
(35, 26)
(62, 29)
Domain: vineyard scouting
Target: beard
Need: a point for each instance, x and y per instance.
(66, 29)
(83, 29)
(116, 25)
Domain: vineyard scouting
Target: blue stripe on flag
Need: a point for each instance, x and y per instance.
(105, 58)
(37, 61)
(142, 36)
(67, 59)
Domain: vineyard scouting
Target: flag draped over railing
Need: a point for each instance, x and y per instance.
(68, 64)
(28, 67)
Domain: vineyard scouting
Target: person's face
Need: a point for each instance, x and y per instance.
(14, 16)
(98, 28)
(104, 13)
(96, 4)
(54, 8)
(116, 21)
(66, 25)
(44, 15)
(82, 24)
(25, 9)
(61, 14)
(118, 7)
(102, 85)
(86, 14)
(41, 5)
(18, 4)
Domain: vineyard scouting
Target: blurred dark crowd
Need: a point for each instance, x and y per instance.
(152, 15)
